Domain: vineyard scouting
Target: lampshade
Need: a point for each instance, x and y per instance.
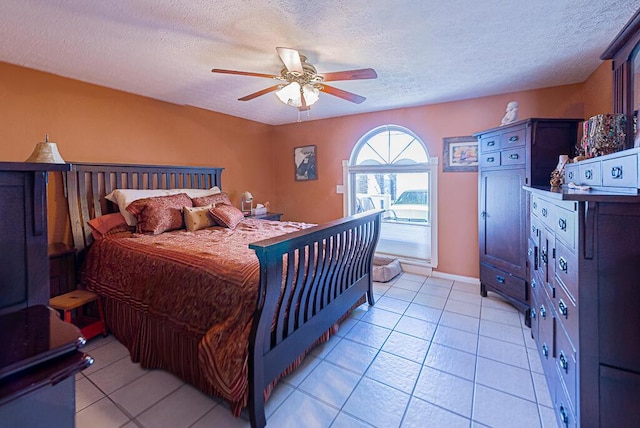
(247, 196)
(46, 152)
(292, 94)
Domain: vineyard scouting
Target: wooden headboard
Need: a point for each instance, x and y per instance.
(87, 184)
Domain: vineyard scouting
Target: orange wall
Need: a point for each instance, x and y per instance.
(93, 123)
(96, 124)
(317, 201)
(598, 91)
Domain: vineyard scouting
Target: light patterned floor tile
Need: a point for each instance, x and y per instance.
(445, 390)
(106, 354)
(144, 392)
(352, 356)
(506, 378)
(381, 318)
(302, 410)
(455, 338)
(497, 409)
(460, 321)
(424, 313)
(330, 383)
(415, 327)
(451, 360)
(86, 394)
(422, 413)
(406, 346)
(101, 414)
(368, 334)
(365, 403)
(505, 352)
(179, 409)
(394, 371)
(391, 304)
(502, 332)
(116, 375)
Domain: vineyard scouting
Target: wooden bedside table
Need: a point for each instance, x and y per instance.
(62, 269)
(267, 216)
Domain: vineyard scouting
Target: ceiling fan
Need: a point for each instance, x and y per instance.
(299, 84)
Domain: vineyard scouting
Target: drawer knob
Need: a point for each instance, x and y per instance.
(564, 310)
(588, 174)
(562, 223)
(491, 159)
(616, 172)
(533, 313)
(533, 283)
(514, 156)
(491, 143)
(564, 363)
(570, 175)
(564, 266)
(564, 417)
(544, 212)
(545, 350)
(530, 252)
(513, 139)
(535, 205)
(500, 279)
(543, 312)
(543, 256)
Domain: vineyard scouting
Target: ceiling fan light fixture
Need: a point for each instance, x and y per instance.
(310, 93)
(290, 94)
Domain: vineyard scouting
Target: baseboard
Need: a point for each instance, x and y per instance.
(416, 267)
(461, 278)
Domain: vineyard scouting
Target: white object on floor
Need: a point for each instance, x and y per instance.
(385, 268)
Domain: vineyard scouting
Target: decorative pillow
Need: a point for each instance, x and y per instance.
(159, 213)
(226, 215)
(197, 218)
(102, 225)
(219, 198)
(123, 197)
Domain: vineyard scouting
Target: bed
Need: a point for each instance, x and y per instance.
(296, 285)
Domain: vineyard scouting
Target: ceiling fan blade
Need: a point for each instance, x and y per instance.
(244, 73)
(349, 96)
(291, 59)
(259, 93)
(363, 73)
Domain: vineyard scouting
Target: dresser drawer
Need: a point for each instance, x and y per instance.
(566, 269)
(490, 143)
(488, 160)
(515, 287)
(515, 138)
(565, 226)
(565, 415)
(566, 314)
(546, 333)
(513, 157)
(566, 365)
(590, 173)
(620, 172)
(571, 172)
(543, 209)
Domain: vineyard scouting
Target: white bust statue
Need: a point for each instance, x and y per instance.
(511, 114)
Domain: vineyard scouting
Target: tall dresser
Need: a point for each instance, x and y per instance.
(584, 252)
(40, 352)
(520, 154)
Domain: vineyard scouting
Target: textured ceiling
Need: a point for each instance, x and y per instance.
(425, 51)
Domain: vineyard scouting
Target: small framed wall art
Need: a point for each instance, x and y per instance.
(305, 163)
(460, 154)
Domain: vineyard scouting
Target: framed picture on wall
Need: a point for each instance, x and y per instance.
(305, 163)
(460, 154)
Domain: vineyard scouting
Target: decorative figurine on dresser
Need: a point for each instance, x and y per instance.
(522, 153)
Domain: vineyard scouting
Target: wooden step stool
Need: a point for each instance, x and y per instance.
(76, 300)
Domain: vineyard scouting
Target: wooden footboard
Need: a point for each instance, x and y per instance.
(308, 281)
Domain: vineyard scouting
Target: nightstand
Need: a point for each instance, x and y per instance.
(62, 268)
(267, 216)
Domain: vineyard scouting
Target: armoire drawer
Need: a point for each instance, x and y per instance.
(515, 138)
(513, 157)
(490, 143)
(488, 160)
(509, 284)
(566, 269)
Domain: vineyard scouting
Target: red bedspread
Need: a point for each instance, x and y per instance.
(205, 282)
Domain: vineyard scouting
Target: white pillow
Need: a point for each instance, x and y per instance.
(123, 197)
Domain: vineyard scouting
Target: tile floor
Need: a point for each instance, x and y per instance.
(431, 352)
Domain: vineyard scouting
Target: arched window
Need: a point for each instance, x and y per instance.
(390, 169)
